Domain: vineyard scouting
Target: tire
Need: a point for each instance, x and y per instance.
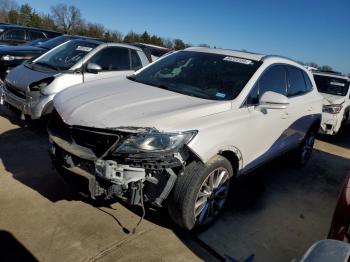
(194, 187)
(304, 150)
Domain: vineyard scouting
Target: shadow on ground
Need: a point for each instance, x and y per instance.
(13, 250)
(342, 139)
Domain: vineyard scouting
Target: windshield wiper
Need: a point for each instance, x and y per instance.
(48, 65)
(132, 78)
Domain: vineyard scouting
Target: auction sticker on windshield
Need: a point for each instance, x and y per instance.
(83, 48)
(238, 60)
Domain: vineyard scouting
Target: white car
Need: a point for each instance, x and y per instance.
(31, 87)
(336, 103)
(182, 127)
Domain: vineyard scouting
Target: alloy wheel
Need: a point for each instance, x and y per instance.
(211, 196)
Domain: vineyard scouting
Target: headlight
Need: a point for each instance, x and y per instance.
(11, 58)
(155, 142)
(332, 109)
(36, 86)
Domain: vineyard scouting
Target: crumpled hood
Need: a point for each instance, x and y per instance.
(21, 76)
(329, 99)
(119, 102)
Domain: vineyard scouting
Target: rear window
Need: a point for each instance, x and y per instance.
(332, 85)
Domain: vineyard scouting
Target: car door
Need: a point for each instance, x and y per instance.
(265, 128)
(300, 110)
(113, 61)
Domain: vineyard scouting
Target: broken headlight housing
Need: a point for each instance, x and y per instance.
(155, 142)
(332, 109)
(38, 86)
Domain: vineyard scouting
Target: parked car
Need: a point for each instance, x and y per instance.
(153, 52)
(12, 56)
(31, 87)
(182, 127)
(17, 35)
(334, 88)
(340, 227)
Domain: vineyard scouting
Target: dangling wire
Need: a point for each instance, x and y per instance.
(143, 208)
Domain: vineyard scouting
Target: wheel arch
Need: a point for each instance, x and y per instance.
(234, 156)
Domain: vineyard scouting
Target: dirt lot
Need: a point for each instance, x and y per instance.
(274, 214)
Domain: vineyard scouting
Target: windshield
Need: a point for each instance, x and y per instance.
(203, 75)
(331, 85)
(66, 55)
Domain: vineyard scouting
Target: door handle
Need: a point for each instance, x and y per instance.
(284, 115)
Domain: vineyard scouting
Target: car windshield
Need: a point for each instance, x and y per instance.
(332, 85)
(203, 75)
(67, 55)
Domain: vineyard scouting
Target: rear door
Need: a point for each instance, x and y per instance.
(301, 105)
(114, 61)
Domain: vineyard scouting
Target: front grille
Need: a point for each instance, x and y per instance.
(98, 140)
(15, 91)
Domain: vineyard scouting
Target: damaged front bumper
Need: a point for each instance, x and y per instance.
(95, 173)
(330, 124)
(32, 104)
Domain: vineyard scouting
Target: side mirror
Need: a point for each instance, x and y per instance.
(93, 68)
(273, 100)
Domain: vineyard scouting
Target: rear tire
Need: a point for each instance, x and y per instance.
(200, 193)
(304, 151)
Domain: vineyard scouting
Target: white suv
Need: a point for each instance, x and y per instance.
(182, 127)
(336, 103)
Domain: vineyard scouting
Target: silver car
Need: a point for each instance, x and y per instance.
(32, 86)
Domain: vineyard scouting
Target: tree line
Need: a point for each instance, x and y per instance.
(68, 19)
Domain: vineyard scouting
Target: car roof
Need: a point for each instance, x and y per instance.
(331, 74)
(149, 45)
(87, 40)
(244, 54)
(228, 52)
(10, 26)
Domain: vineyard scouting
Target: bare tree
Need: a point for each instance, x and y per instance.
(66, 17)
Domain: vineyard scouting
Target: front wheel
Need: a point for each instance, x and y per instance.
(200, 193)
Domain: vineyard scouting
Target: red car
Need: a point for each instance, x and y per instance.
(340, 227)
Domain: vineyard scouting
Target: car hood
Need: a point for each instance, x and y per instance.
(22, 76)
(329, 99)
(116, 103)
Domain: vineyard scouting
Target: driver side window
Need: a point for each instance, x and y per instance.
(112, 59)
(273, 79)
